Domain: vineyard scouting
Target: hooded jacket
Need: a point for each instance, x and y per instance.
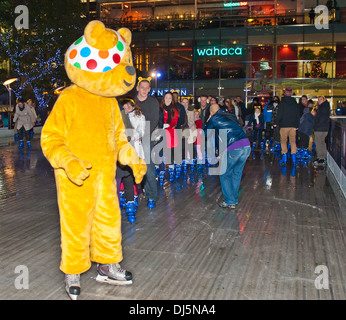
(306, 122)
(288, 115)
(227, 121)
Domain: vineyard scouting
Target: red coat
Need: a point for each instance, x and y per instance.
(199, 127)
(171, 134)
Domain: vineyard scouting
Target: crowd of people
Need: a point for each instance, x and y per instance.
(178, 136)
(172, 136)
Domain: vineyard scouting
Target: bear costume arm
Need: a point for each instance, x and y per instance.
(54, 141)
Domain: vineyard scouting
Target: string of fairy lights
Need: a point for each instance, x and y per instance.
(34, 61)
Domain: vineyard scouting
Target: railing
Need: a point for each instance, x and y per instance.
(165, 23)
(336, 150)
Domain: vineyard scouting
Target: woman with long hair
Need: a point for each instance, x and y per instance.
(169, 118)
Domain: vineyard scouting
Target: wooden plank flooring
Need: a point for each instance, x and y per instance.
(187, 247)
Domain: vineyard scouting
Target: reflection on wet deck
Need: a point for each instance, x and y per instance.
(287, 224)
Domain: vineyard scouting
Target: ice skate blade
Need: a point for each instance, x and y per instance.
(71, 295)
(105, 279)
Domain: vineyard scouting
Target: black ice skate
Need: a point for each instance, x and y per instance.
(113, 274)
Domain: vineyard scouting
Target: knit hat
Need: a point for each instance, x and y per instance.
(288, 91)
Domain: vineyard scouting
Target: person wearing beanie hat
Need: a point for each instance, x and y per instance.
(287, 120)
(288, 92)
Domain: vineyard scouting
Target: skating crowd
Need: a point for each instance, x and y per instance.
(179, 136)
(294, 131)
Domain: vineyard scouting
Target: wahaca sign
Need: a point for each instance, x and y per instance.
(219, 51)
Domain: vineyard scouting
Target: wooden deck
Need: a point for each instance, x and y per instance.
(187, 248)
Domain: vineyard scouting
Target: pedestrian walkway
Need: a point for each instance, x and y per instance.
(285, 240)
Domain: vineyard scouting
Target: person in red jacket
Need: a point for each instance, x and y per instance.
(170, 117)
(198, 142)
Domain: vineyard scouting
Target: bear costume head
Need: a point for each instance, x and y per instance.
(101, 62)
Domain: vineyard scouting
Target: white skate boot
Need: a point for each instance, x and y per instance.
(72, 285)
(113, 274)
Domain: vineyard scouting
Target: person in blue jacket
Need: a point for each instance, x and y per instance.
(306, 127)
(235, 155)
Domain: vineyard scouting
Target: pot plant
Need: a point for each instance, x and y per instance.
(326, 55)
(308, 55)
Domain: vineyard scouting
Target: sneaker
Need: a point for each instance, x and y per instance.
(322, 162)
(225, 205)
(72, 285)
(319, 162)
(113, 274)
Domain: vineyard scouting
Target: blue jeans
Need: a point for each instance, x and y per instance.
(230, 180)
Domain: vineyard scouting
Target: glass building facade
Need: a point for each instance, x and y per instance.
(246, 54)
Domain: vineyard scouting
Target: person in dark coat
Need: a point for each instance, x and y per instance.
(303, 103)
(256, 126)
(287, 119)
(150, 109)
(321, 127)
(304, 132)
(269, 113)
(204, 108)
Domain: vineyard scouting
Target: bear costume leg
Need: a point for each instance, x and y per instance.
(90, 230)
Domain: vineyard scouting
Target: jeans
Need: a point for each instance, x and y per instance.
(230, 180)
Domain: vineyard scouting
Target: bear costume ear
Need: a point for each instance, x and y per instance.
(126, 33)
(100, 37)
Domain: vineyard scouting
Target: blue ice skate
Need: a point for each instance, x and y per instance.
(162, 178)
(184, 166)
(131, 210)
(171, 174)
(151, 203)
(122, 200)
(283, 160)
(177, 171)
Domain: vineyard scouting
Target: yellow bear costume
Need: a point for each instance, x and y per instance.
(83, 138)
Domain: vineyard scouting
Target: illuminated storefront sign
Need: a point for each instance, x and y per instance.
(235, 4)
(215, 51)
(161, 91)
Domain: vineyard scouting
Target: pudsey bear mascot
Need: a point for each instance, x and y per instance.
(82, 139)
